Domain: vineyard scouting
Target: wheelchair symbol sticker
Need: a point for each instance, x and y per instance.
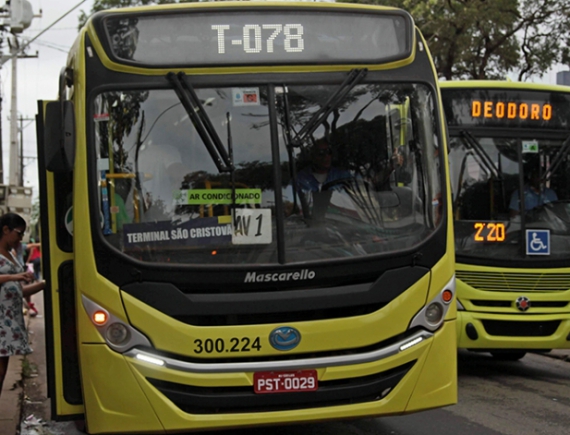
(537, 242)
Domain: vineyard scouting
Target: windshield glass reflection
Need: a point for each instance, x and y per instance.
(492, 218)
(363, 180)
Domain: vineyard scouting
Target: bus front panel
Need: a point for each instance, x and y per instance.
(258, 241)
(511, 190)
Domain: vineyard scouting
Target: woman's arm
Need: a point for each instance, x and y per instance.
(32, 289)
(23, 276)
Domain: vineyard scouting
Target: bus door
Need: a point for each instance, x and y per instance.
(55, 133)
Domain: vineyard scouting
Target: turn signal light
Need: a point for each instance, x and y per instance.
(447, 296)
(100, 317)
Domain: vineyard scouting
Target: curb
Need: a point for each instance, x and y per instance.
(11, 399)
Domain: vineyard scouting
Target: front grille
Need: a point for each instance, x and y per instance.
(267, 303)
(507, 304)
(228, 400)
(278, 317)
(500, 304)
(516, 282)
(548, 304)
(520, 329)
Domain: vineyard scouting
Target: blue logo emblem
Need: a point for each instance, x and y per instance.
(284, 338)
(538, 242)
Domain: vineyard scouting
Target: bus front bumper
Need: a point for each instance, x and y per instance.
(478, 330)
(125, 394)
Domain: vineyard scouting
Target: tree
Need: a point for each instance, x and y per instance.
(482, 39)
(101, 5)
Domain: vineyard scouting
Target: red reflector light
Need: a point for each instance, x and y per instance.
(100, 317)
(447, 296)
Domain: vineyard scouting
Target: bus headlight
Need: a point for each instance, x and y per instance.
(432, 315)
(117, 333)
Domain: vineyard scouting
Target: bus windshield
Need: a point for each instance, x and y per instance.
(264, 174)
(492, 218)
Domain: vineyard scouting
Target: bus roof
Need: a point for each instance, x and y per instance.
(501, 84)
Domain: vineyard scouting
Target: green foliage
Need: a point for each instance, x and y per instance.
(35, 217)
(483, 39)
(29, 369)
(101, 5)
(470, 39)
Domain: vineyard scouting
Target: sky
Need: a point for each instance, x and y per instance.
(37, 78)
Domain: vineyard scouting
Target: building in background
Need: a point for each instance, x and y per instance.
(563, 78)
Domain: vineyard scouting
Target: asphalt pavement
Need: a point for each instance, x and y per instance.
(24, 405)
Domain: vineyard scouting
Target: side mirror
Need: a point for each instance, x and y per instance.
(59, 136)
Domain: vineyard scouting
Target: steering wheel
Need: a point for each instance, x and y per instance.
(555, 214)
(344, 181)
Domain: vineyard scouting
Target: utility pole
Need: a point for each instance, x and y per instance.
(22, 157)
(14, 164)
(4, 15)
(16, 158)
(15, 15)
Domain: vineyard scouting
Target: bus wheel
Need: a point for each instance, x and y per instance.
(512, 355)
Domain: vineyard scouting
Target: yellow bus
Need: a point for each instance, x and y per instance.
(245, 219)
(510, 178)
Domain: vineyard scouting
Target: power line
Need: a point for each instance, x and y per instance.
(27, 44)
(53, 46)
(16, 51)
(55, 28)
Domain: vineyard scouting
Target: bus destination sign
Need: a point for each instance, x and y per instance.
(506, 108)
(489, 232)
(511, 110)
(264, 36)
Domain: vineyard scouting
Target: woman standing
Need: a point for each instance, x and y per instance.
(20, 253)
(35, 258)
(13, 334)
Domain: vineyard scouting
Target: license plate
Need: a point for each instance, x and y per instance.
(285, 382)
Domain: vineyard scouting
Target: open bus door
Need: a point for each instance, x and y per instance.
(55, 133)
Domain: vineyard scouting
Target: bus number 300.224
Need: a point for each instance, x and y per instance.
(234, 344)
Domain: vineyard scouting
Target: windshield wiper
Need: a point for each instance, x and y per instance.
(191, 103)
(354, 77)
(288, 128)
(418, 153)
(558, 159)
(473, 144)
(232, 173)
(138, 186)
